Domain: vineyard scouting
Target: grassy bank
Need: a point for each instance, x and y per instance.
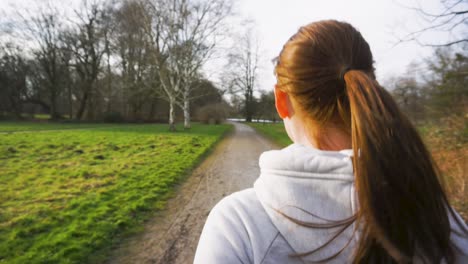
(447, 141)
(42, 126)
(274, 132)
(66, 194)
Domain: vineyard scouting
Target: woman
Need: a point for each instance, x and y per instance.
(358, 185)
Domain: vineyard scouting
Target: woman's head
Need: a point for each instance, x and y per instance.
(327, 92)
(311, 70)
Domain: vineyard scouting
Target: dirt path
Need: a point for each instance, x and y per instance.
(172, 236)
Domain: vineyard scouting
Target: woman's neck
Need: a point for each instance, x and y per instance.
(324, 138)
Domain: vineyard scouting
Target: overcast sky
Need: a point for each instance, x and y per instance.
(378, 20)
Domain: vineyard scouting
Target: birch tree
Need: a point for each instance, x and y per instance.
(185, 34)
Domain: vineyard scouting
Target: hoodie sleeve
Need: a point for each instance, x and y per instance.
(223, 239)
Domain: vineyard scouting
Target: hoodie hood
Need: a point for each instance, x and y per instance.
(309, 185)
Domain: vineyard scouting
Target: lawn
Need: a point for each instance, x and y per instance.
(447, 141)
(275, 132)
(30, 126)
(66, 194)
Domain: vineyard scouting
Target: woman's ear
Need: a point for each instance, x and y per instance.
(281, 103)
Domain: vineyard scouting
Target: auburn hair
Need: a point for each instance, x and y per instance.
(327, 68)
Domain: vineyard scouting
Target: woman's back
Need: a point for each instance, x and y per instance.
(298, 182)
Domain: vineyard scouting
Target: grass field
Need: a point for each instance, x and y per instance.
(274, 132)
(447, 141)
(66, 194)
(41, 126)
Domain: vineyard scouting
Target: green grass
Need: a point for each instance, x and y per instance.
(6, 126)
(64, 195)
(275, 132)
(42, 116)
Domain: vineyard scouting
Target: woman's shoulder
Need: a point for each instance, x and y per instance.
(245, 200)
(244, 209)
(238, 227)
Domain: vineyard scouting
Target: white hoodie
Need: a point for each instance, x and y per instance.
(306, 184)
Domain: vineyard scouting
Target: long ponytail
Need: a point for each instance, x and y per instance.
(400, 197)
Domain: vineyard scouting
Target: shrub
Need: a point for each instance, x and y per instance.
(212, 113)
(113, 117)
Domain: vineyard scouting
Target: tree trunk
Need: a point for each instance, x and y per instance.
(70, 99)
(172, 115)
(152, 111)
(91, 107)
(248, 106)
(17, 108)
(187, 114)
(82, 106)
(54, 115)
(44, 105)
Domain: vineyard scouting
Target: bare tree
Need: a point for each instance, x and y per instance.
(43, 29)
(134, 49)
(109, 27)
(435, 88)
(127, 54)
(242, 69)
(14, 70)
(86, 42)
(448, 81)
(409, 95)
(452, 19)
(184, 34)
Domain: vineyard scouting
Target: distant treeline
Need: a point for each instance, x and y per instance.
(137, 60)
(142, 60)
(434, 89)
